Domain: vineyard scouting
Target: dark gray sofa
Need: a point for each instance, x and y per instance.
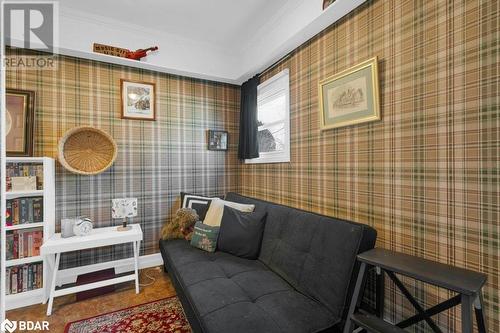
(301, 282)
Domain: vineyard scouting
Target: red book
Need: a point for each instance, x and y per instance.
(37, 242)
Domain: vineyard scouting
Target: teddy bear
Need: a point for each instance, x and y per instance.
(181, 226)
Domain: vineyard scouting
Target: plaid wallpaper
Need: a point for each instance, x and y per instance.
(156, 160)
(426, 175)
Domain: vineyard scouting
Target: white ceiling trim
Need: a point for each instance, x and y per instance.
(293, 24)
(299, 25)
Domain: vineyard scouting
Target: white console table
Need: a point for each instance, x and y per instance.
(98, 237)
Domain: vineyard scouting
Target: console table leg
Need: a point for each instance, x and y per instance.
(136, 266)
(466, 314)
(53, 284)
(355, 298)
(479, 310)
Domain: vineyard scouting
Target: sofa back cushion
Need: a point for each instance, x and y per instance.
(315, 254)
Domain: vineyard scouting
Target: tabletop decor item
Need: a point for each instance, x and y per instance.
(217, 140)
(19, 122)
(67, 227)
(27, 183)
(350, 97)
(121, 52)
(82, 226)
(114, 51)
(87, 150)
(122, 209)
(138, 100)
(140, 53)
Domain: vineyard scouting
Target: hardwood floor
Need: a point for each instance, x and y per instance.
(67, 309)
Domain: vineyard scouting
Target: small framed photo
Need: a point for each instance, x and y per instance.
(138, 100)
(327, 3)
(350, 97)
(217, 140)
(19, 122)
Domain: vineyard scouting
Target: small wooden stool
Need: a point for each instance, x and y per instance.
(467, 284)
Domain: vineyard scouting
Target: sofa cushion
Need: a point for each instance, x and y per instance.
(197, 202)
(231, 294)
(241, 233)
(315, 254)
(216, 210)
(205, 237)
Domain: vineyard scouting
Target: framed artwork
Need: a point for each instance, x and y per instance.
(19, 122)
(138, 100)
(217, 140)
(350, 97)
(327, 3)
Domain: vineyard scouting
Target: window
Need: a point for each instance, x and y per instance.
(273, 114)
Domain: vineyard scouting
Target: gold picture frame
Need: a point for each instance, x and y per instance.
(20, 122)
(350, 97)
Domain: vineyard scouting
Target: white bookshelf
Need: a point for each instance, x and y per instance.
(40, 295)
(24, 226)
(23, 194)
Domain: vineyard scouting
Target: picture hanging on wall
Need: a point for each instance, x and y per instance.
(350, 97)
(19, 122)
(327, 3)
(138, 100)
(217, 140)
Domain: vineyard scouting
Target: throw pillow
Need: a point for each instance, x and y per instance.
(199, 203)
(241, 233)
(216, 209)
(205, 237)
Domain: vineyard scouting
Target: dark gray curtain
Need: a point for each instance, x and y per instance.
(248, 146)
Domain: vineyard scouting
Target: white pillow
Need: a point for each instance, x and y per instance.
(216, 209)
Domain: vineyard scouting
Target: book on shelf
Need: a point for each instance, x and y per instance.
(23, 278)
(15, 169)
(23, 243)
(24, 210)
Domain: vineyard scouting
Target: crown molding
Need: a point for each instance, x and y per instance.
(291, 26)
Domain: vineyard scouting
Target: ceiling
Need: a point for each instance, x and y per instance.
(221, 40)
(226, 23)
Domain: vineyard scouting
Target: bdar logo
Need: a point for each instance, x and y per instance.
(8, 326)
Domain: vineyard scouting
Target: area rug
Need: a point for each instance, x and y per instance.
(162, 316)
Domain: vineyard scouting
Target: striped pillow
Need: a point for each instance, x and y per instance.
(199, 203)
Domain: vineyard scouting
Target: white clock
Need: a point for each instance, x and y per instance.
(82, 226)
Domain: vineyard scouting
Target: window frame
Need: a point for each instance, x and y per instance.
(284, 155)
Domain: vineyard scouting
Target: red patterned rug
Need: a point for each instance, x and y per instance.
(162, 316)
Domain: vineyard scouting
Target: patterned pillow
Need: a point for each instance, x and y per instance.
(198, 202)
(205, 237)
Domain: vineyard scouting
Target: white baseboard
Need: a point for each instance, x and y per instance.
(121, 266)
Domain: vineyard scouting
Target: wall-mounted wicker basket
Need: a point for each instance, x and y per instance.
(87, 150)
